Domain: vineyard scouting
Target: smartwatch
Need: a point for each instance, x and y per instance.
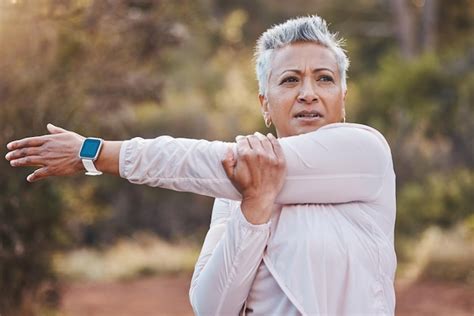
(89, 152)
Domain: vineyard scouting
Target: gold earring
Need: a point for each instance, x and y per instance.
(268, 120)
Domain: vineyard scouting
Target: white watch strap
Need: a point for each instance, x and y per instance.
(90, 167)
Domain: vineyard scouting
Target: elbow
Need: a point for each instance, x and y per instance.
(196, 303)
(202, 303)
(205, 302)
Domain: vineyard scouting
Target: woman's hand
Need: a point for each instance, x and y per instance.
(57, 154)
(258, 174)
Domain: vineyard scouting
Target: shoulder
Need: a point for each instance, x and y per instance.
(358, 133)
(338, 144)
(343, 138)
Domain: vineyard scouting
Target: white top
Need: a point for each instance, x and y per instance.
(329, 248)
(228, 225)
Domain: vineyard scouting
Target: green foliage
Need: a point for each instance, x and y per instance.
(30, 228)
(440, 199)
(50, 51)
(425, 109)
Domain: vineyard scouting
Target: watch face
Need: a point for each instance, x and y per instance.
(90, 148)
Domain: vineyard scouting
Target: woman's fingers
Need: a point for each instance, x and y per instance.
(28, 142)
(56, 153)
(255, 143)
(277, 148)
(39, 174)
(27, 161)
(265, 142)
(243, 146)
(229, 163)
(55, 129)
(23, 152)
(255, 171)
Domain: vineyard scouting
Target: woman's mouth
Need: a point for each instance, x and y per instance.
(308, 116)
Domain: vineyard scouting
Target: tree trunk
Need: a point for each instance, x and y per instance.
(429, 23)
(404, 27)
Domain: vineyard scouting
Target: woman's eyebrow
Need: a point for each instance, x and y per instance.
(298, 71)
(322, 69)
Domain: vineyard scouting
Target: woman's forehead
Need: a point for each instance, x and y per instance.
(303, 55)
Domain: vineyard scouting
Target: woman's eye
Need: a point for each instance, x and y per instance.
(326, 78)
(289, 80)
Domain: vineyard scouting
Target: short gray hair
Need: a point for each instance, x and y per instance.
(302, 29)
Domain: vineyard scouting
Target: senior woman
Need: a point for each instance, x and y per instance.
(302, 225)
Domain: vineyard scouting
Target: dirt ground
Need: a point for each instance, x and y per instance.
(168, 295)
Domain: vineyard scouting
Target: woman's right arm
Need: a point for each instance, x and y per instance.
(338, 163)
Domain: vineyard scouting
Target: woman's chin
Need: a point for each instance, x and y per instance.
(304, 129)
(307, 126)
(298, 127)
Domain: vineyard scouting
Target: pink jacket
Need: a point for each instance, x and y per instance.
(330, 247)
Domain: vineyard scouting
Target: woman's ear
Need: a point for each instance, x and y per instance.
(263, 103)
(344, 106)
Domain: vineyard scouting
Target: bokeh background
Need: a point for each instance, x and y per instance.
(124, 68)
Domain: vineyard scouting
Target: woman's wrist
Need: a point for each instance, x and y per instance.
(257, 211)
(108, 160)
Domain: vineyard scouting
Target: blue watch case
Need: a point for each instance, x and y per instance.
(90, 148)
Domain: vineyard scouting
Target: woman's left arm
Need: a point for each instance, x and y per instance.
(230, 256)
(228, 262)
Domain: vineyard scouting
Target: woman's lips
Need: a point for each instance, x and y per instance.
(308, 116)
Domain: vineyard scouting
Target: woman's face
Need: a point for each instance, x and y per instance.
(304, 89)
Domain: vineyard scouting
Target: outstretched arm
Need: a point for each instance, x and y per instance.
(339, 163)
(336, 164)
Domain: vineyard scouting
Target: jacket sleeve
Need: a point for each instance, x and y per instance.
(338, 163)
(229, 259)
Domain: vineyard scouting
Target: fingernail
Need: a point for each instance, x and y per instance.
(9, 145)
(7, 156)
(28, 178)
(239, 137)
(13, 163)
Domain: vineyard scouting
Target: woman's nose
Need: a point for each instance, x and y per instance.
(308, 93)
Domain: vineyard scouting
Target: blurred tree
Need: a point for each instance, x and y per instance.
(450, 201)
(405, 27)
(80, 64)
(429, 24)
